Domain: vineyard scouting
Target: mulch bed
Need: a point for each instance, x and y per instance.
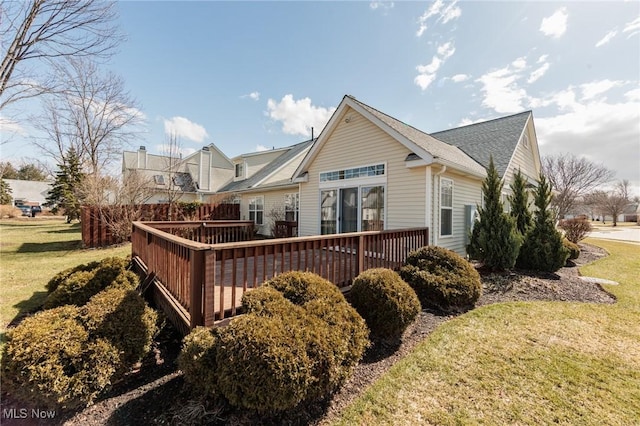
(156, 393)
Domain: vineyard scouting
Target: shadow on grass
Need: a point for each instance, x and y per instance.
(27, 307)
(51, 246)
(74, 228)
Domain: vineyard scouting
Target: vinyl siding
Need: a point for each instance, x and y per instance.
(287, 170)
(465, 191)
(255, 163)
(360, 143)
(273, 200)
(523, 159)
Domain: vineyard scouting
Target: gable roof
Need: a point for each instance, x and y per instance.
(268, 170)
(498, 137)
(420, 143)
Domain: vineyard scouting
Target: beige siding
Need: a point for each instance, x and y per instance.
(524, 158)
(254, 163)
(287, 170)
(358, 143)
(273, 204)
(466, 191)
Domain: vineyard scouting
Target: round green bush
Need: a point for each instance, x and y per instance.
(385, 301)
(197, 360)
(574, 249)
(62, 276)
(301, 287)
(266, 301)
(441, 278)
(50, 360)
(122, 317)
(78, 287)
(262, 363)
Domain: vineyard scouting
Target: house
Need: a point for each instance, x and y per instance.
(192, 178)
(28, 192)
(368, 170)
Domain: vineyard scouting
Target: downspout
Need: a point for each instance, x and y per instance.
(436, 232)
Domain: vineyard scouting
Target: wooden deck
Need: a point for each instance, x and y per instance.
(201, 284)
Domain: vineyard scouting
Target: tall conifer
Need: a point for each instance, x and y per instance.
(65, 191)
(519, 200)
(494, 240)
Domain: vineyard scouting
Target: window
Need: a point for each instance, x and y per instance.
(446, 207)
(256, 209)
(357, 172)
(372, 208)
(239, 170)
(158, 179)
(291, 207)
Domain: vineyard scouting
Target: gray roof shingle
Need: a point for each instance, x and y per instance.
(498, 137)
(267, 170)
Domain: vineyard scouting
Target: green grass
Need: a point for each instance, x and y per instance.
(31, 253)
(523, 363)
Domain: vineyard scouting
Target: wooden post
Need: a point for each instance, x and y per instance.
(196, 261)
(360, 253)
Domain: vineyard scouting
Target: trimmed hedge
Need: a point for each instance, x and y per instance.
(51, 360)
(302, 287)
(385, 301)
(122, 317)
(197, 360)
(441, 278)
(78, 287)
(62, 276)
(574, 249)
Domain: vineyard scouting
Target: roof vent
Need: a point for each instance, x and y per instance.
(205, 148)
(143, 148)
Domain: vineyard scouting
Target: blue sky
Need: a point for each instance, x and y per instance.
(254, 75)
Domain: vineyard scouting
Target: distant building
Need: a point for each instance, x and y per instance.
(28, 192)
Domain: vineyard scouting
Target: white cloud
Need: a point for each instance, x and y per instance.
(383, 5)
(595, 88)
(466, 121)
(260, 148)
(298, 116)
(10, 126)
(555, 25)
(542, 59)
(458, 78)
(633, 95)
(443, 14)
(519, 63)
(607, 38)
(253, 95)
(501, 90)
(182, 127)
(539, 72)
(632, 27)
(427, 73)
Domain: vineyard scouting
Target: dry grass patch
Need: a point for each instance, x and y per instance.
(523, 363)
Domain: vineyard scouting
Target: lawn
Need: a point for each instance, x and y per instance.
(523, 363)
(31, 252)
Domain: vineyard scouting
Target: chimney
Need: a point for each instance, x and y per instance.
(142, 157)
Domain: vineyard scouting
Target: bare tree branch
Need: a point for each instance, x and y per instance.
(45, 31)
(572, 177)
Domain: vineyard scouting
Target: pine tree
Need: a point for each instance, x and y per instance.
(494, 240)
(520, 203)
(543, 249)
(5, 192)
(65, 193)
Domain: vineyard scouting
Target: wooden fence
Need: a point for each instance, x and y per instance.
(97, 231)
(198, 284)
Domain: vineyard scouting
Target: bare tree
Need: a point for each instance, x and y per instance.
(572, 177)
(615, 202)
(174, 188)
(38, 33)
(95, 115)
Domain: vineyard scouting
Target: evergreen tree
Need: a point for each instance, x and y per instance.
(5, 192)
(494, 240)
(65, 193)
(520, 203)
(543, 249)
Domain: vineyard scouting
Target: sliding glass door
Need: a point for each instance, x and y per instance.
(352, 209)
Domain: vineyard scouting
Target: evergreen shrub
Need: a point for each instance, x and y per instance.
(122, 317)
(79, 286)
(197, 360)
(51, 360)
(441, 278)
(385, 301)
(574, 249)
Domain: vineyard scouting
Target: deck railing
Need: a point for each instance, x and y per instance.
(199, 284)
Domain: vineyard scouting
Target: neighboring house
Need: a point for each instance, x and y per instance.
(264, 187)
(29, 192)
(192, 178)
(368, 170)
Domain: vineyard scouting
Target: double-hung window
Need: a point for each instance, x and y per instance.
(291, 207)
(256, 209)
(446, 207)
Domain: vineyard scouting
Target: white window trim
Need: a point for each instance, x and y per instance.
(359, 185)
(525, 141)
(339, 183)
(296, 205)
(251, 201)
(243, 171)
(441, 207)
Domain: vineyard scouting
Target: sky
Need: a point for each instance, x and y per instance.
(249, 76)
